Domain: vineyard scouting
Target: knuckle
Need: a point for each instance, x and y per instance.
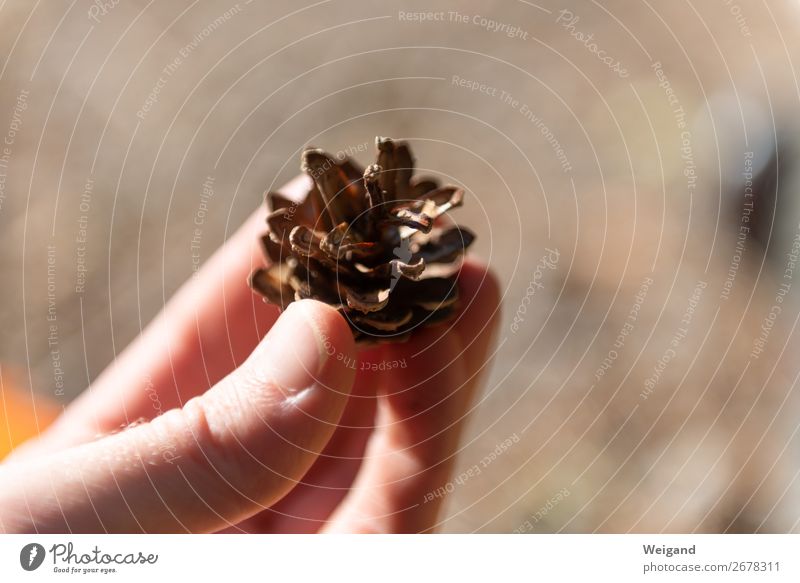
(208, 449)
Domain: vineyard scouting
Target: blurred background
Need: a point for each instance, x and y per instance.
(630, 172)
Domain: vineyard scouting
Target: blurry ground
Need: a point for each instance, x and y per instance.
(632, 170)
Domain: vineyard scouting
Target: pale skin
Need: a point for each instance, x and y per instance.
(226, 415)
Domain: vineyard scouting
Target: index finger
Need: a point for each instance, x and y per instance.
(205, 331)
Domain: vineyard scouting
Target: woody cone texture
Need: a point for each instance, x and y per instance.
(367, 242)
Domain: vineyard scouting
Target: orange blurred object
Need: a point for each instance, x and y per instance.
(23, 414)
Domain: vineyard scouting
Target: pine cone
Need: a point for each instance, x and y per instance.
(366, 242)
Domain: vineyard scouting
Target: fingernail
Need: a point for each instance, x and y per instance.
(294, 350)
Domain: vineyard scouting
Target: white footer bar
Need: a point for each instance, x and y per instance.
(412, 558)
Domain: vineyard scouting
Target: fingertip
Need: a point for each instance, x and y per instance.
(310, 345)
(476, 281)
(473, 325)
(479, 314)
(329, 325)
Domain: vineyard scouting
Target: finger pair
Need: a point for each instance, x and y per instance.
(424, 405)
(223, 456)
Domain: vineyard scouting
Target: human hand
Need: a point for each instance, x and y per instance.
(207, 424)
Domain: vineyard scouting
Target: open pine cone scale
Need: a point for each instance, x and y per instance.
(369, 242)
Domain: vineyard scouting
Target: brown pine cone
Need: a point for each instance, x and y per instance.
(366, 242)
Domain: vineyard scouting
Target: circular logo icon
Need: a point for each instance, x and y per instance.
(31, 556)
